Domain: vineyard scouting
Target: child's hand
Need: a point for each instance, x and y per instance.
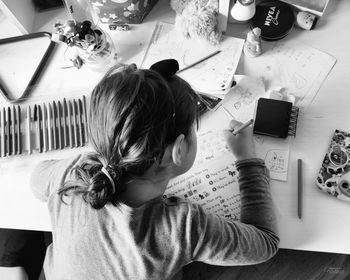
(242, 145)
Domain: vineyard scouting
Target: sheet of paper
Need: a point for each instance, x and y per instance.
(298, 68)
(241, 103)
(212, 181)
(212, 75)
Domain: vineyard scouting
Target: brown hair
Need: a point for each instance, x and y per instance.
(134, 115)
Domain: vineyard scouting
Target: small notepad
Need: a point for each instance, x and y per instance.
(276, 118)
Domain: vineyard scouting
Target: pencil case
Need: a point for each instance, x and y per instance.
(334, 175)
(43, 126)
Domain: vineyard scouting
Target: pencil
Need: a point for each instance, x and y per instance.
(54, 126)
(29, 148)
(243, 126)
(40, 137)
(69, 114)
(85, 119)
(59, 124)
(76, 144)
(19, 136)
(13, 128)
(80, 118)
(49, 127)
(8, 131)
(300, 187)
(3, 153)
(44, 113)
(64, 123)
(199, 61)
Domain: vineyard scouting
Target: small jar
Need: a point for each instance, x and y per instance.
(99, 50)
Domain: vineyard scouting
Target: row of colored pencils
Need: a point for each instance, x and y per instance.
(47, 126)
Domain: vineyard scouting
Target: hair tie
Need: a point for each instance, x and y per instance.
(105, 171)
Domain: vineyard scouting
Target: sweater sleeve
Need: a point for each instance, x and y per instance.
(49, 175)
(251, 240)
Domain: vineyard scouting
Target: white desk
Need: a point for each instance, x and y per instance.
(324, 225)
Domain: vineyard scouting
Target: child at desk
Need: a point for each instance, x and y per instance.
(108, 217)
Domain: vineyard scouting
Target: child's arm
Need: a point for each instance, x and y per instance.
(255, 239)
(251, 241)
(49, 175)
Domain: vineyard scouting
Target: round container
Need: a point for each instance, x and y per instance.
(274, 18)
(101, 51)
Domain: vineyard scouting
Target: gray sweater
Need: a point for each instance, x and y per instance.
(155, 240)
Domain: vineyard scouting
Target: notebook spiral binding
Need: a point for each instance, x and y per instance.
(292, 128)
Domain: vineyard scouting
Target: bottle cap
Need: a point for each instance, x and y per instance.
(274, 18)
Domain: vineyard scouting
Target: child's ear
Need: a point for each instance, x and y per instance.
(174, 153)
(178, 150)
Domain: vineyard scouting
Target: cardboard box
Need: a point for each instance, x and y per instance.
(123, 11)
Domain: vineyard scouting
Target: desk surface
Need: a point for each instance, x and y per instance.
(323, 226)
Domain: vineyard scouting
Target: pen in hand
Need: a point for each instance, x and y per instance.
(243, 126)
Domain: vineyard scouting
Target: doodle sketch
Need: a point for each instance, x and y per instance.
(212, 75)
(306, 71)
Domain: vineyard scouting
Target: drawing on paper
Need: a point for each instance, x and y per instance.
(212, 75)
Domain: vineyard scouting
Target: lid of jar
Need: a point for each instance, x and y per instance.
(274, 18)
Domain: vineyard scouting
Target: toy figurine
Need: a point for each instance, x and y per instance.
(252, 45)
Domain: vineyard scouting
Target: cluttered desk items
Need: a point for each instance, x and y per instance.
(43, 127)
(334, 176)
(213, 76)
(21, 64)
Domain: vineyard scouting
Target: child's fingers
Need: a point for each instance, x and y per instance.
(235, 124)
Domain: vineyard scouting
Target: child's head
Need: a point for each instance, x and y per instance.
(134, 116)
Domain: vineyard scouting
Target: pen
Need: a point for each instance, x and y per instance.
(300, 187)
(199, 61)
(243, 126)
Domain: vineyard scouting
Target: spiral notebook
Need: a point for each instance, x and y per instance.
(276, 118)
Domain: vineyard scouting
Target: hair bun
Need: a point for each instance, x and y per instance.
(166, 67)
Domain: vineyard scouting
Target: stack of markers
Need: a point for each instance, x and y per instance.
(47, 126)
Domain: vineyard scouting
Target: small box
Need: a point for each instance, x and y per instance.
(126, 11)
